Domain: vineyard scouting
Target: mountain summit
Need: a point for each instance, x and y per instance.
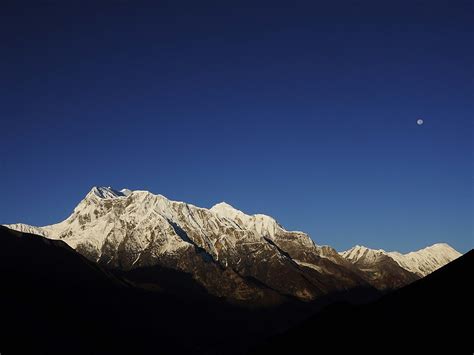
(232, 254)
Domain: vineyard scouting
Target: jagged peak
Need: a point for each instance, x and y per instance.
(105, 192)
(109, 192)
(223, 206)
(126, 192)
(361, 248)
(420, 262)
(146, 193)
(224, 209)
(435, 249)
(439, 246)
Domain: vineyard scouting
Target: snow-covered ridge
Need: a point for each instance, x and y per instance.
(262, 222)
(421, 262)
(220, 246)
(25, 228)
(357, 252)
(97, 219)
(259, 222)
(427, 260)
(128, 229)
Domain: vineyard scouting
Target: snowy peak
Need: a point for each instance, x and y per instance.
(107, 192)
(427, 260)
(361, 255)
(357, 252)
(260, 223)
(222, 206)
(421, 262)
(223, 209)
(126, 192)
(440, 248)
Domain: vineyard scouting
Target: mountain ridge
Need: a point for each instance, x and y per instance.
(232, 254)
(421, 262)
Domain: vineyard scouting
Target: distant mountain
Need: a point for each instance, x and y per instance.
(239, 257)
(383, 272)
(427, 260)
(427, 316)
(389, 270)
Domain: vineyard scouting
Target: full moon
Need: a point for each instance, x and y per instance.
(419, 122)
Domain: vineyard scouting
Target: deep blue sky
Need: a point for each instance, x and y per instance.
(303, 111)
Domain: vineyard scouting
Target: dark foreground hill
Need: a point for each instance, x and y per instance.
(55, 301)
(432, 315)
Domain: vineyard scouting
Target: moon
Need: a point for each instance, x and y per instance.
(419, 122)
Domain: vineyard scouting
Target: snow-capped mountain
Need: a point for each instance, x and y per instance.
(229, 252)
(232, 254)
(427, 260)
(382, 271)
(420, 263)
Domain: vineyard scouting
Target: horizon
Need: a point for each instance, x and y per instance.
(308, 113)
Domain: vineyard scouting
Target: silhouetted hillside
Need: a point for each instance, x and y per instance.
(55, 301)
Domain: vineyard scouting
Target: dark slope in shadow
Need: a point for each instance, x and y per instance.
(433, 313)
(55, 301)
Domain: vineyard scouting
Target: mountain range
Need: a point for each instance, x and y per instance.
(232, 255)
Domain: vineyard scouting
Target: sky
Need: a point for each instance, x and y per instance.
(305, 111)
